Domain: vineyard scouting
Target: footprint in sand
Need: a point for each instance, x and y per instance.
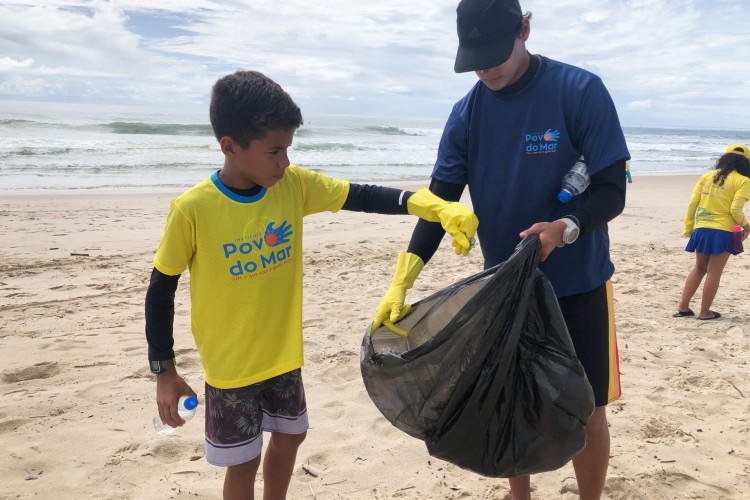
(317, 461)
(37, 371)
(13, 424)
(658, 429)
(335, 409)
(623, 487)
(681, 482)
(170, 450)
(100, 286)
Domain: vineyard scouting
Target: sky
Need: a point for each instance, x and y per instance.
(672, 63)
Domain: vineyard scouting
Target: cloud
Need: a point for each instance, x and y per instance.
(386, 57)
(10, 64)
(645, 104)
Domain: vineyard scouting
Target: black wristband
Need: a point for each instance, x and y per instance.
(160, 366)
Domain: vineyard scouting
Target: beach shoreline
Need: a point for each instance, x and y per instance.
(175, 190)
(78, 395)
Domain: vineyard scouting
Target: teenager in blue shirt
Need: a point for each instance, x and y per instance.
(511, 139)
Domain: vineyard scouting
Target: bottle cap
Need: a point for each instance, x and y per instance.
(190, 403)
(563, 196)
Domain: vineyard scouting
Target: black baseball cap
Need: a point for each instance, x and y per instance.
(487, 31)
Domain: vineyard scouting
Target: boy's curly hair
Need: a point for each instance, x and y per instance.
(247, 104)
(728, 162)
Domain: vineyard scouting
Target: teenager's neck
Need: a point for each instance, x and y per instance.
(535, 62)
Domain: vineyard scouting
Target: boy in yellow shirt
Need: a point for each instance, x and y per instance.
(240, 234)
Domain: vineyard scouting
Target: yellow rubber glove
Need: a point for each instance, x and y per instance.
(456, 219)
(391, 309)
(464, 251)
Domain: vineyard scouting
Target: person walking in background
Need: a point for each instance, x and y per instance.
(240, 234)
(511, 139)
(714, 209)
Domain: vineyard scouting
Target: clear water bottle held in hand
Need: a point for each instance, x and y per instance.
(185, 408)
(575, 181)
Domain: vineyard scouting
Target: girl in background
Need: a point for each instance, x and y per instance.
(714, 209)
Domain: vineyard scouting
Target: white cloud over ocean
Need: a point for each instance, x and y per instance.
(665, 62)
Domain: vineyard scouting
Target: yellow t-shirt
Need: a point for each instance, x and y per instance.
(718, 207)
(244, 256)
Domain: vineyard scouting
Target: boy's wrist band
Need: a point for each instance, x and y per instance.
(160, 366)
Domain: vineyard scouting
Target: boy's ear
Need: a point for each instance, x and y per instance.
(227, 145)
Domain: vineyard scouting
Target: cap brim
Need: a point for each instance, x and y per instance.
(484, 57)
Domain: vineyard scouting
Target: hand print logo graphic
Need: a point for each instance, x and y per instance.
(279, 235)
(542, 142)
(551, 135)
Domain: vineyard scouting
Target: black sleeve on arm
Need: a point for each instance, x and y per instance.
(426, 237)
(607, 198)
(160, 315)
(376, 199)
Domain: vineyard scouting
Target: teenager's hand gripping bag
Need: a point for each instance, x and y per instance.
(488, 376)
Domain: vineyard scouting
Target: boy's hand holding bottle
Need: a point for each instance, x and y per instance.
(170, 386)
(185, 408)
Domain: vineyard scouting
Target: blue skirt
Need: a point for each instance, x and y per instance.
(710, 242)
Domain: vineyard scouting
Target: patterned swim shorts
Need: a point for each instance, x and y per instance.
(237, 418)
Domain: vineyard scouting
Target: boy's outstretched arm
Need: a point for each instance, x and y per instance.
(159, 335)
(455, 218)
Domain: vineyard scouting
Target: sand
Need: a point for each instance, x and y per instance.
(77, 395)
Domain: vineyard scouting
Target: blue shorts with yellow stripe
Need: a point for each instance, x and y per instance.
(590, 318)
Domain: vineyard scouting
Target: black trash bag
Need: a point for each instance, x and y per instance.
(488, 376)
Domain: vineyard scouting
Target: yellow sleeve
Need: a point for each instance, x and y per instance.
(738, 202)
(320, 192)
(695, 198)
(177, 246)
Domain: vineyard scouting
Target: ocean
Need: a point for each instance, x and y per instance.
(47, 147)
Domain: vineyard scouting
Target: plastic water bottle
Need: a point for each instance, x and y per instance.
(185, 408)
(575, 182)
